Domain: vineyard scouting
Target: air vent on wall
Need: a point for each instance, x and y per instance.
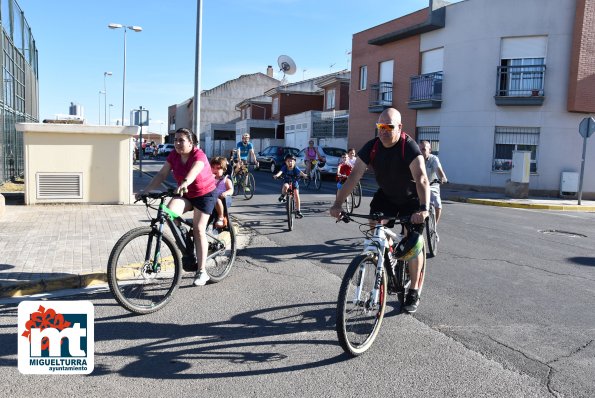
(59, 185)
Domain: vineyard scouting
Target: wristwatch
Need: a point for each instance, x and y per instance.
(423, 208)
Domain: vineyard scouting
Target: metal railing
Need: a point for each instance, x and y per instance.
(329, 128)
(521, 81)
(426, 87)
(381, 94)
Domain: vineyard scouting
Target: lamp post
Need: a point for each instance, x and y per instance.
(100, 92)
(105, 74)
(109, 114)
(136, 29)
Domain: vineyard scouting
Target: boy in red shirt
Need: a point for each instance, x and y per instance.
(343, 170)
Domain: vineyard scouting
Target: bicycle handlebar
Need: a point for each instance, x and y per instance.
(378, 217)
(171, 192)
(436, 181)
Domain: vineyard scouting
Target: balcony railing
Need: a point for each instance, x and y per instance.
(520, 85)
(381, 96)
(330, 128)
(426, 91)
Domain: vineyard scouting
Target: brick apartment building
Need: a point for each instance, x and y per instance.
(483, 79)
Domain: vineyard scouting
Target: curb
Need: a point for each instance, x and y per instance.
(87, 279)
(534, 206)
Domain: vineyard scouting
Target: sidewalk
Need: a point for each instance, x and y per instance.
(53, 247)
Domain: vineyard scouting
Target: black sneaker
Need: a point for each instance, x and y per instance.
(411, 301)
(298, 214)
(282, 199)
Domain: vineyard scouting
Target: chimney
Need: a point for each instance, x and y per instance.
(269, 71)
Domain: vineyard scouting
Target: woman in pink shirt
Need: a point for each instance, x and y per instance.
(196, 185)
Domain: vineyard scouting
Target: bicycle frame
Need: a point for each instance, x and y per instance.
(377, 245)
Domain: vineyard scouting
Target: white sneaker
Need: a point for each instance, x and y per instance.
(201, 278)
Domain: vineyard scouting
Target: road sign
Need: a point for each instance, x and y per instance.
(587, 127)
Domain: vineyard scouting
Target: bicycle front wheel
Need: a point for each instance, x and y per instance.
(290, 215)
(222, 253)
(359, 316)
(431, 234)
(141, 277)
(317, 181)
(357, 195)
(248, 186)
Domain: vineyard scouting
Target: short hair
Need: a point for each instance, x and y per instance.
(351, 149)
(424, 142)
(219, 161)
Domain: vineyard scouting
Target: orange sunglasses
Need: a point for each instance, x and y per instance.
(384, 126)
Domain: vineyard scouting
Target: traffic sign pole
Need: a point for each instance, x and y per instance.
(580, 184)
(585, 129)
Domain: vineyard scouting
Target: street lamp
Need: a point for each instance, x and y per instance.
(105, 74)
(100, 92)
(136, 29)
(109, 114)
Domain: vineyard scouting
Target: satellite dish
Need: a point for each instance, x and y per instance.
(286, 65)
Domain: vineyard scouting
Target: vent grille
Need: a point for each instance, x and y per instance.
(59, 185)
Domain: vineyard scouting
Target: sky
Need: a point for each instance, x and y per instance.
(76, 47)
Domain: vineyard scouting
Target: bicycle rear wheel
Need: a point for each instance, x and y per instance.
(357, 195)
(135, 282)
(317, 181)
(290, 215)
(358, 318)
(248, 186)
(431, 234)
(222, 253)
(348, 204)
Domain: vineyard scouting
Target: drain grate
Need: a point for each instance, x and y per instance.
(562, 233)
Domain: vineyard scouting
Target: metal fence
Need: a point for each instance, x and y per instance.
(18, 88)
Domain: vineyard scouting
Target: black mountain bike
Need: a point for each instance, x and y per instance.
(371, 274)
(290, 201)
(145, 265)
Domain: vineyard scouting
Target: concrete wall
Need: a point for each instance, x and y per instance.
(469, 115)
(101, 154)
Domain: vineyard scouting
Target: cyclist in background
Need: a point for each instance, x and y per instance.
(291, 172)
(435, 172)
(245, 149)
(311, 153)
(351, 156)
(343, 170)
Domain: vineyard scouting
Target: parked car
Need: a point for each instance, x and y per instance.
(166, 149)
(272, 157)
(332, 158)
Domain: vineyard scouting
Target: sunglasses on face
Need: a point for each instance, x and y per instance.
(386, 127)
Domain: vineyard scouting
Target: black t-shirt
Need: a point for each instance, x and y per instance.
(391, 169)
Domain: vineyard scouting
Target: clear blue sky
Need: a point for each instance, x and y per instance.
(238, 37)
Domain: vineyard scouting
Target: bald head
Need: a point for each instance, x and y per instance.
(390, 116)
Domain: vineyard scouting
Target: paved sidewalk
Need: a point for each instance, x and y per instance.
(53, 247)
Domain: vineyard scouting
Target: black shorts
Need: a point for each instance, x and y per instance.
(205, 203)
(382, 203)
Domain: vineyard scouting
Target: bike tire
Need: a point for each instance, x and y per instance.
(290, 214)
(357, 195)
(317, 181)
(348, 204)
(308, 180)
(130, 277)
(403, 280)
(250, 184)
(222, 253)
(431, 234)
(358, 323)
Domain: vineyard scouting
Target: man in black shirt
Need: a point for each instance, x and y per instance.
(404, 190)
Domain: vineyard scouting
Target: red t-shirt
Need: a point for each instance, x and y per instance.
(204, 182)
(344, 169)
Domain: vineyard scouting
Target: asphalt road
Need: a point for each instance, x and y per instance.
(506, 311)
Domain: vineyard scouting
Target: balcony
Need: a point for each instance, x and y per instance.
(426, 91)
(520, 85)
(381, 96)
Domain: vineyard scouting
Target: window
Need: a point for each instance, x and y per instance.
(275, 105)
(522, 66)
(363, 77)
(330, 99)
(509, 139)
(430, 134)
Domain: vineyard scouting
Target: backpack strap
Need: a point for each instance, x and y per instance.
(375, 147)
